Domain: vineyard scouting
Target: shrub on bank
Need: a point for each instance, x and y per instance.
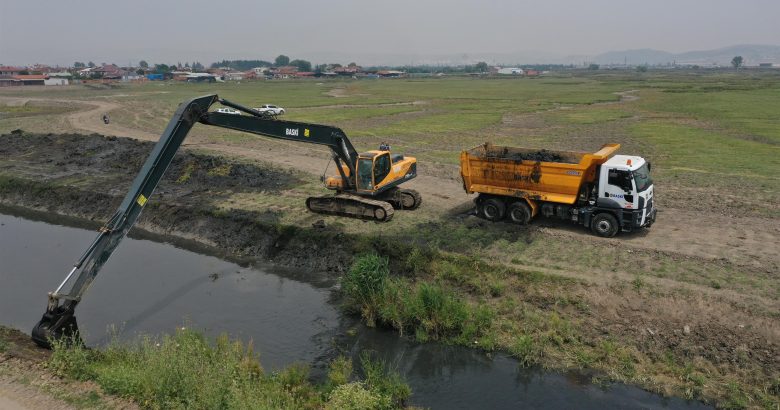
(427, 310)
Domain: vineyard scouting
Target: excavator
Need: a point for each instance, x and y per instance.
(367, 187)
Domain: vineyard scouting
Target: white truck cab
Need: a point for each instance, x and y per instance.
(625, 186)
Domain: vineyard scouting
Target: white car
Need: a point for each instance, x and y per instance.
(229, 111)
(271, 109)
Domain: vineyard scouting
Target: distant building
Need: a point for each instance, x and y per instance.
(234, 76)
(766, 65)
(7, 70)
(31, 79)
(510, 71)
(8, 81)
(202, 78)
(348, 71)
(49, 80)
(390, 73)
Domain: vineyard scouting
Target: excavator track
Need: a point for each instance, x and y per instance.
(410, 194)
(351, 206)
(402, 198)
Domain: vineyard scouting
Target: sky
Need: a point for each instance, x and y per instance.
(373, 32)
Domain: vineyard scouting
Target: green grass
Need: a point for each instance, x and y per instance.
(185, 370)
(691, 149)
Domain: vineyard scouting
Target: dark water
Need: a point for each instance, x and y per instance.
(151, 287)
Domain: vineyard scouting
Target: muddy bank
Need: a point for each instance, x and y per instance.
(86, 176)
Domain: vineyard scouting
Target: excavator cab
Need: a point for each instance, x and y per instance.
(380, 170)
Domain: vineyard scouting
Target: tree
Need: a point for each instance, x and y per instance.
(352, 65)
(642, 68)
(140, 71)
(737, 61)
(143, 64)
(78, 65)
(593, 67)
(302, 65)
(90, 64)
(197, 65)
(481, 67)
(161, 68)
(282, 60)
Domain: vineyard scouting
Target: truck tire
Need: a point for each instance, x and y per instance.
(604, 225)
(492, 209)
(519, 213)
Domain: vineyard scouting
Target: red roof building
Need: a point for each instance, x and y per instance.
(8, 70)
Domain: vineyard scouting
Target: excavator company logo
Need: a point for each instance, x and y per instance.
(306, 132)
(614, 195)
(141, 200)
(293, 132)
(575, 173)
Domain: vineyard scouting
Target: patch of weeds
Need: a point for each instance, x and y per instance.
(220, 171)
(380, 378)
(735, 397)
(638, 283)
(339, 373)
(526, 350)
(715, 284)
(427, 310)
(70, 358)
(4, 345)
(185, 370)
(496, 288)
(186, 173)
(584, 358)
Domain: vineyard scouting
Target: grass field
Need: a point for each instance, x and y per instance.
(550, 294)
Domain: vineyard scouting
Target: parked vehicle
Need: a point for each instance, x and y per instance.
(605, 192)
(270, 109)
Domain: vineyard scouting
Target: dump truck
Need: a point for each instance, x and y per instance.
(605, 192)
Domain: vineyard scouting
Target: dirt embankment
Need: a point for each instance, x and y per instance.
(26, 383)
(87, 176)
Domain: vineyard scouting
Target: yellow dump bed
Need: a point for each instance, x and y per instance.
(554, 176)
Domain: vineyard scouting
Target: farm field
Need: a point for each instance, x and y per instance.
(688, 308)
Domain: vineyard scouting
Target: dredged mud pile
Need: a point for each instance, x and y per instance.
(87, 176)
(535, 156)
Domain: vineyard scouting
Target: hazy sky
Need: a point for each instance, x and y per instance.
(60, 32)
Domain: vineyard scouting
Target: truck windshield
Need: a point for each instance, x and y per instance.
(642, 178)
(365, 174)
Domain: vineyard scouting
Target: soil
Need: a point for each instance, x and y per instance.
(26, 383)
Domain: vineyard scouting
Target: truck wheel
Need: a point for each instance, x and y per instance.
(604, 225)
(519, 213)
(493, 209)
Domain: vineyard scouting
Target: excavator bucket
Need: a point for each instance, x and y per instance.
(59, 325)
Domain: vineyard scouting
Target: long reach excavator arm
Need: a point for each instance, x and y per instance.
(59, 320)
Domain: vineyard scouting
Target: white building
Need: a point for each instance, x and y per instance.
(55, 81)
(511, 71)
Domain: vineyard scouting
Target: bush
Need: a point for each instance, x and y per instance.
(381, 379)
(354, 396)
(427, 310)
(525, 350)
(364, 283)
